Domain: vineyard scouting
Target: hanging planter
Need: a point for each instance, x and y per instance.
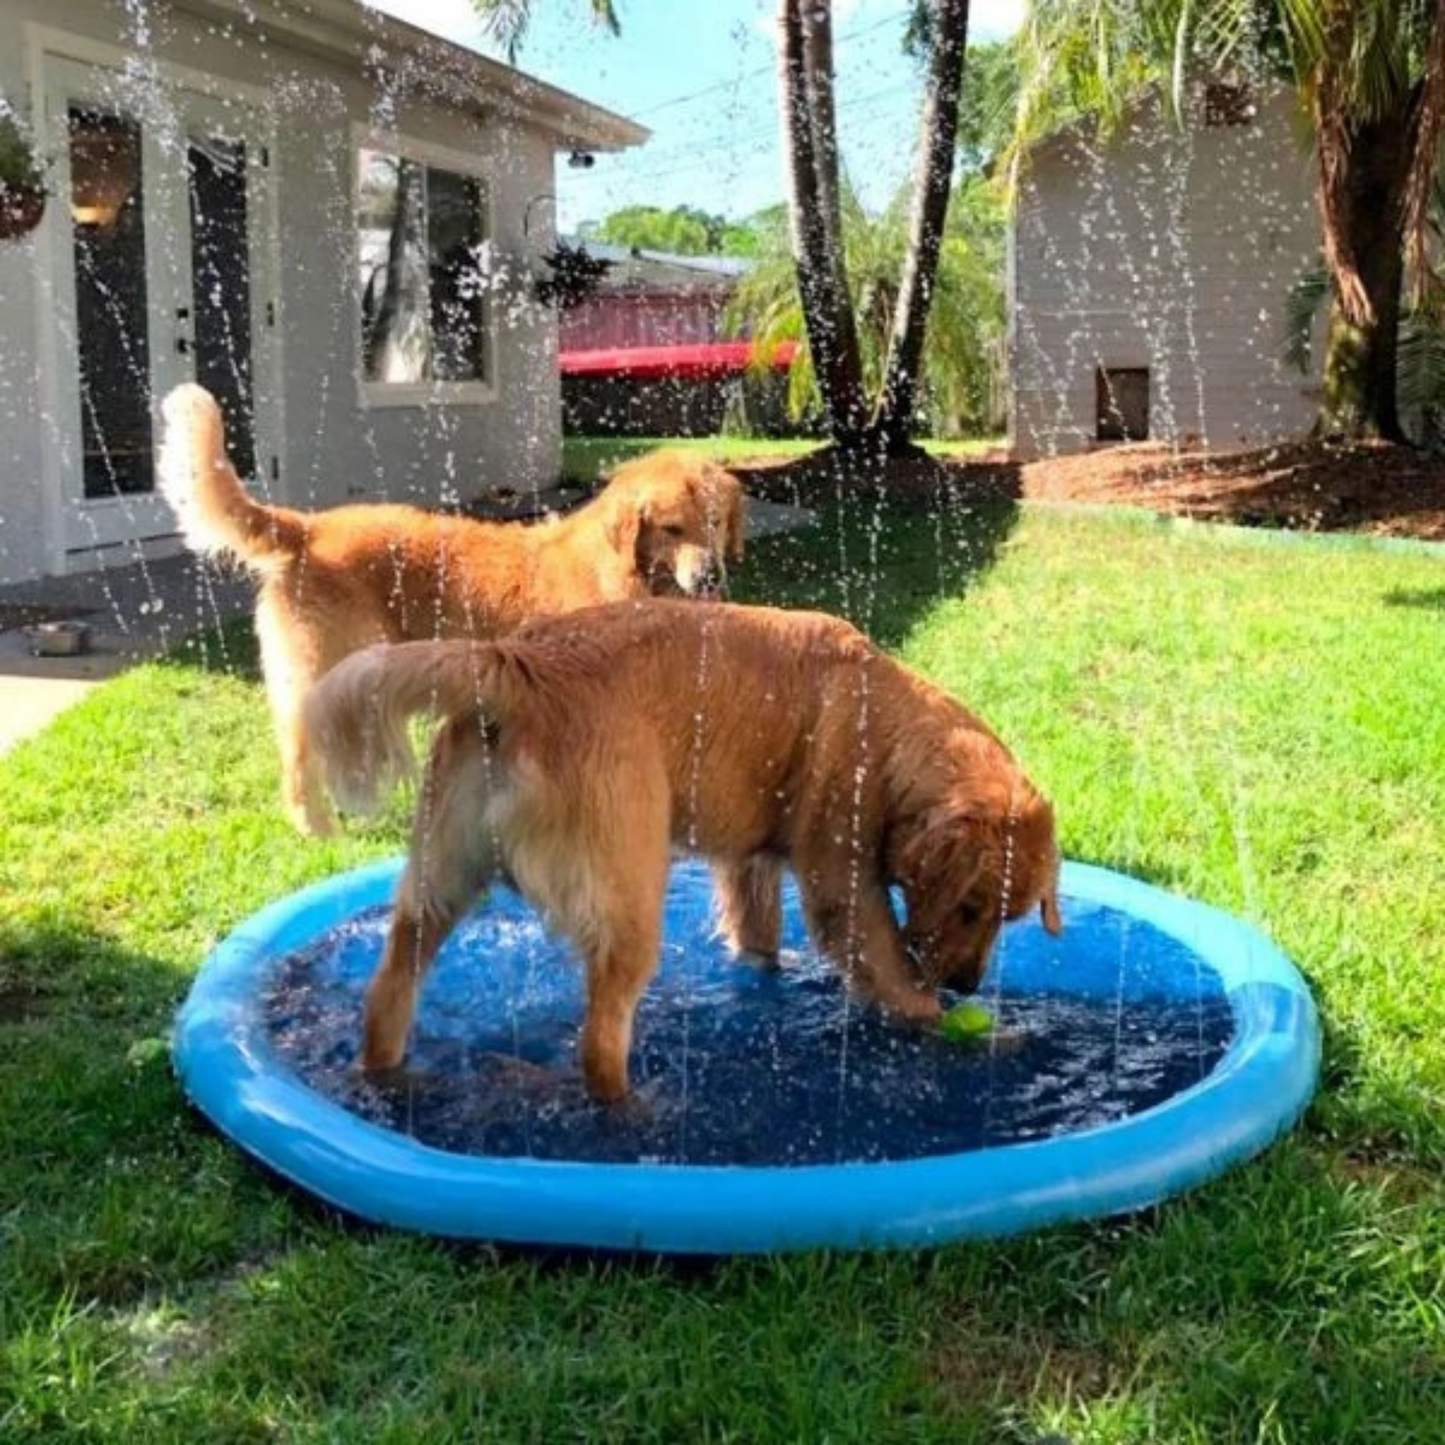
(22, 180)
(575, 276)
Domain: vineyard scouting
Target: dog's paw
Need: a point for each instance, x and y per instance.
(311, 818)
(764, 960)
(919, 1010)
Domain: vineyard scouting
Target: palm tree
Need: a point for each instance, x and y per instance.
(959, 365)
(1420, 363)
(805, 75)
(946, 25)
(810, 152)
(1370, 77)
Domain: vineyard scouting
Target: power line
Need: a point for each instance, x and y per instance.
(738, 79)
(856, 111)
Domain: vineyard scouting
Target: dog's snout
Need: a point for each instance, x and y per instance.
(711, 580)
(710, 587)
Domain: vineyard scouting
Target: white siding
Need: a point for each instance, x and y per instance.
(330, 445)
(23, 498)
(1168, 249)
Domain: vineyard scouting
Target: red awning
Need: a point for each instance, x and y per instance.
(689, 363)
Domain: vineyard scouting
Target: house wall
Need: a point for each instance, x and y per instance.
(1168, 250)
(22, 497)
(330, 444)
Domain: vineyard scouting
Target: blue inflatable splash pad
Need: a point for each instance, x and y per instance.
(1152, 1045)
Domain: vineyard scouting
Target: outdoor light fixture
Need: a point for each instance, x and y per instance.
(102, 178)
(581, 160)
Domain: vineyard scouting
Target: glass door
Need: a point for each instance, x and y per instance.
(155, 283)
(112, 301)
(221, 291)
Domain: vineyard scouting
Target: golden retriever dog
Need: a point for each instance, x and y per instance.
(338, 580)
(575, 756)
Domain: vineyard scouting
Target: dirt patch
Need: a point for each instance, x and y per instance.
(1369, 487)
(984, 1370)
(818, 477)
(17, 1005)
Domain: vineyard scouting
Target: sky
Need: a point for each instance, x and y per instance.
(701, 75)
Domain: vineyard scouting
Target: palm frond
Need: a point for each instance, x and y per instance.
(1421, 377)
(507, 21)
(1302, 305)
(604, 13)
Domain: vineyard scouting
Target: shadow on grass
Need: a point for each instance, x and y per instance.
(882, 564)
(1427, 599)
(112, 1186)
(879, 560)
(230, 648)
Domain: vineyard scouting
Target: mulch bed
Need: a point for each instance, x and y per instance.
(1369, 487)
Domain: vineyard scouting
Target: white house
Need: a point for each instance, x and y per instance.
(324, 215)
(1148, 272)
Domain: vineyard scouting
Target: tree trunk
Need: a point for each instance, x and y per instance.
(1365, 169)
(932, 187)
(805, 76)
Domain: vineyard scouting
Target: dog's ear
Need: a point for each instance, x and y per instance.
(728, 502)
(940, 842)
(735, 534)
(719, 496)
(624, 524)
(1049, 912)
(1038, 857)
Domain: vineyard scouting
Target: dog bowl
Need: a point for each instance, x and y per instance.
(58, 639)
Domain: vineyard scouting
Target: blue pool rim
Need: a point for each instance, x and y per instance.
(1258, 1089)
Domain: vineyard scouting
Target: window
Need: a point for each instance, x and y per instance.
(422, 235)
(1121, 403)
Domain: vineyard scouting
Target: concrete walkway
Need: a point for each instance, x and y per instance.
(133, 612)
(145, 609)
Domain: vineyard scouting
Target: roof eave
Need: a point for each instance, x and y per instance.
(368, 40)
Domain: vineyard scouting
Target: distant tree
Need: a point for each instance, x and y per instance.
(683, 231)
(987, 106)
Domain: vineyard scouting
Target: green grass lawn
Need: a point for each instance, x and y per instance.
(1260, 726)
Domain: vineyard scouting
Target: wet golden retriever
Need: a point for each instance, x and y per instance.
(339, 580)
(578, 754)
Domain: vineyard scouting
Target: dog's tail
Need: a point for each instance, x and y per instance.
(356, 716)
(215, 511)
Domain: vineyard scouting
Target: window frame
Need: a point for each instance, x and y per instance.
(383, 394)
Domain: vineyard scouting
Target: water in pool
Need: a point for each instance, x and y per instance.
(734, 1066)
